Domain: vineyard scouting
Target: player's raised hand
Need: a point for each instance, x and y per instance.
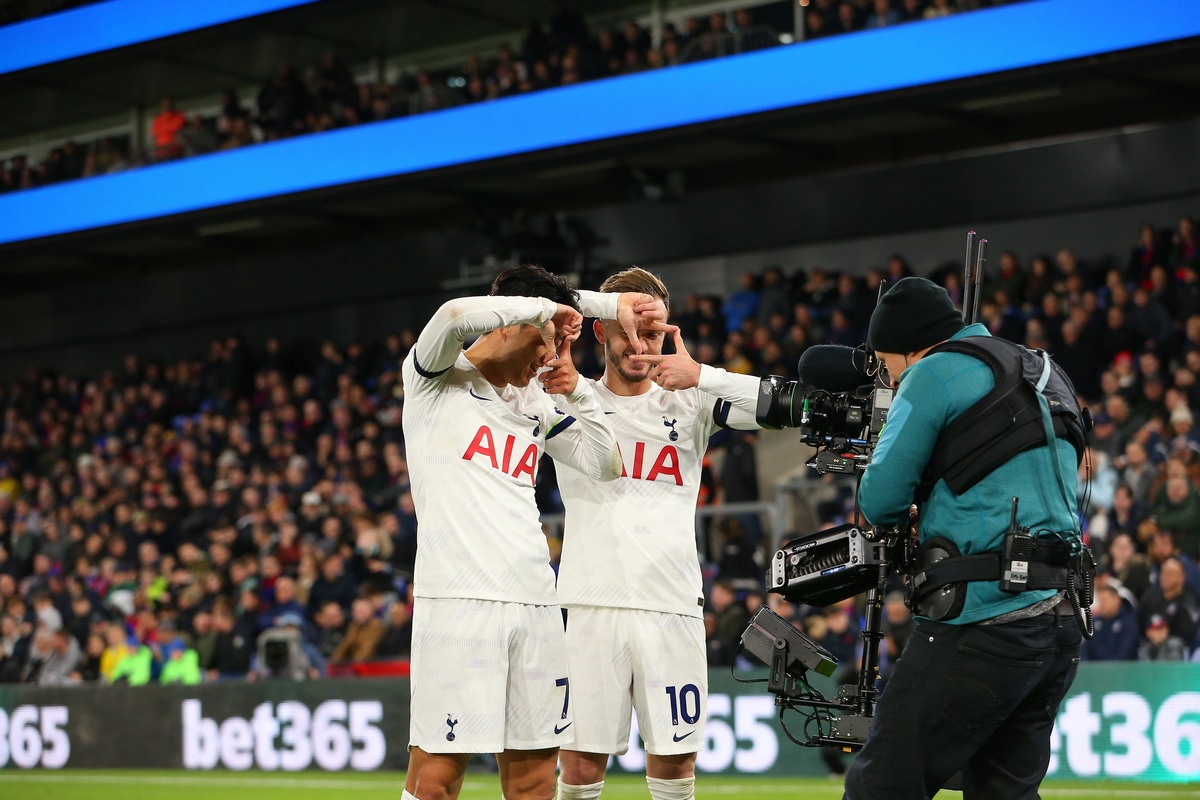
(566, 324)
(562, 377)
(636, 311)
(676, 371)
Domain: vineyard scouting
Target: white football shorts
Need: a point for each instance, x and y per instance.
(656, 663)
(488, 676)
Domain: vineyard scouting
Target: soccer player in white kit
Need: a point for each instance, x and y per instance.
(489, 670)
(629, 576)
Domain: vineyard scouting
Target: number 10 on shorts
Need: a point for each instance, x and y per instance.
(685, 703)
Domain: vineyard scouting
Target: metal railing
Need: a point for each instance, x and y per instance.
(728, 43)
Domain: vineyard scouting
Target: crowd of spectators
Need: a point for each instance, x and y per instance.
(246, 513)
(561, 51)
(1126, 330)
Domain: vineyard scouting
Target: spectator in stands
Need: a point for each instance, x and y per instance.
(1150, 322)
(1173, 602)
(165, 129)
(14, 648)
(332, 585)
(912, 10)
(55, 657)
(363, 635)
(727, 623)
(284, 601)
(232, 649)
(841, 638)
(1123, 562)
(88, 669)
(334, 85)
(742, 304)
(136, 665)
(195, 137)
(331, 627)
(1159, 643)
(737, 556)
(940, 8)
(181, 664)
(1125, 515)
(882, 14)
(397, 639)
(846, 19)
(231, 111)
(1184, 252)
(1116, 635)
(815, 25)
(1145, 255)
(283, 104)
(1177, 507)
(1105, 437)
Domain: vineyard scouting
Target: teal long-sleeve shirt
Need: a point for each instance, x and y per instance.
(932, 393)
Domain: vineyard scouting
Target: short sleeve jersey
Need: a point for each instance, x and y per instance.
(631, 543)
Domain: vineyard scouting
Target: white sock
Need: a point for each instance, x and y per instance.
(679, 789)
(408, 795)
(567, 791)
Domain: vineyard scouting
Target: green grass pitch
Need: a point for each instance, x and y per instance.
(184, 785)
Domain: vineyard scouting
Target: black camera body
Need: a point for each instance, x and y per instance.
(843, 426)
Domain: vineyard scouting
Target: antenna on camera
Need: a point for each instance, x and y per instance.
(973, 278)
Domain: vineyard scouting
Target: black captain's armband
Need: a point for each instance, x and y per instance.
(1008, 419)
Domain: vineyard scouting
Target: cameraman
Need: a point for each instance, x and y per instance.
(979, 690)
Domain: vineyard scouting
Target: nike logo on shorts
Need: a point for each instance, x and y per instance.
(476, 396)
(679, 738)
(558, 730)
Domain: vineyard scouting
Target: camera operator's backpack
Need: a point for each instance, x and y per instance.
(1008, 419)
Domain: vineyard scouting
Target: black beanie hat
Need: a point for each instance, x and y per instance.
(914, 314)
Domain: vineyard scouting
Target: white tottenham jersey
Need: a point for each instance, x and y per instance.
(631, 543)
(473, 452)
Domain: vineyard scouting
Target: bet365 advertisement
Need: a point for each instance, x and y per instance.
(1121, 720)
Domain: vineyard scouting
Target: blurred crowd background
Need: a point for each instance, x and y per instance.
(245, 513)
(558, 50)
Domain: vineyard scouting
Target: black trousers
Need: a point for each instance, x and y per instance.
(977, 698)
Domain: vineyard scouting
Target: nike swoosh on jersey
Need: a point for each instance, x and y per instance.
(476, 396)
(679, 738)
(558, 730)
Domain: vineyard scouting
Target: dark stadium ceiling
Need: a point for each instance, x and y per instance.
(1132, 88)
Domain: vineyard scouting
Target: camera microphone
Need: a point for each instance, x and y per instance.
(833, 367)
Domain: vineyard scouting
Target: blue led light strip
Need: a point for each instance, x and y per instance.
(118, 23)
(983, 42)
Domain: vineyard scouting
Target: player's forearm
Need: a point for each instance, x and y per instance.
(592, 447)
(601, 305)
(740, 390)
(442, 338)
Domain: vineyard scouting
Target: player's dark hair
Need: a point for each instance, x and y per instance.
(531, 280)
(636, 279)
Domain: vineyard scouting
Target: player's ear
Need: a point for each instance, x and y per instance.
(598, 329)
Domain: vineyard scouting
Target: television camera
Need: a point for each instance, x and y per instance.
(840, 405)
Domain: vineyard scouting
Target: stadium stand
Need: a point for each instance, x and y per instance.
(245, 511)
(559, 51)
